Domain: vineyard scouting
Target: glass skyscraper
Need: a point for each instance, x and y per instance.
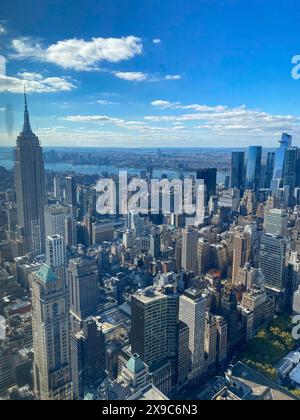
(254, 168)
(285, 143)
(238, 170)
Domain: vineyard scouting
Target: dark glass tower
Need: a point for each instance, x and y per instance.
(253, 177)
(270, 164)
(238, 170)
(289, 169)
(209, 175)
(30, 189)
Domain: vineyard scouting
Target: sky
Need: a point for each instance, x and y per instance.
(150, 73)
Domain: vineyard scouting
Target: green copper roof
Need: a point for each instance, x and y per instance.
(46, 274)
(135, 364)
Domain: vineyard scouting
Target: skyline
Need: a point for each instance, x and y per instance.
(127, 76)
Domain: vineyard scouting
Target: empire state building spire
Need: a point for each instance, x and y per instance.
(26, 126)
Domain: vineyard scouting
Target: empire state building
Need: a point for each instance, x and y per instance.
(30, 189)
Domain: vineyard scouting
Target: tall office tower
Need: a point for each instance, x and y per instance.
(210, 342)
(154, 326)
(274, 257)
(270, 165)
(6, 372)
(276, 222)
(189, 250)
(230, 312)
(57, 187)
(241, 252)
(289, 170)
(155, 250)
(253, 176)
(55, 220)
(192, 310)
(222, 339)
(238, 171)
(209, 176)
(70, 231)
(30, 188)
(71, 192)
(87, 358)
(50, 324)
(82, 275)
(56, 251)
(203, 256)
(285, 143)
(87, 200)
(183, 355)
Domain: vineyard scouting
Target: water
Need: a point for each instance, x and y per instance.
(7, 161)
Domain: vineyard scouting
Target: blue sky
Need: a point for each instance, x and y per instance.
(137, 73)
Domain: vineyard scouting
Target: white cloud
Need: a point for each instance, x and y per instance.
(156, 41)
(222, 120)
(173, 77)
(132, 76)
(93, 119)
(35, 83)
(2, 29)
(78, 54)
(164, 104)
(104, 102)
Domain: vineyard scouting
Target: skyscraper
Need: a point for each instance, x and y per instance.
(270, 165)
(273, 261)
(289, 169)
(189, 250)
(82, 277)
(253, 177)
(154, 325)
(209, 176)
(285, 143)
(155, 245)
(57, 187)
(71, 192)
(87, 358)
(30, 188)
(238, 170)
(55, 220)
(241, 252)
(276, 222)
(55, 251)
(50, 323)
(192, 311)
